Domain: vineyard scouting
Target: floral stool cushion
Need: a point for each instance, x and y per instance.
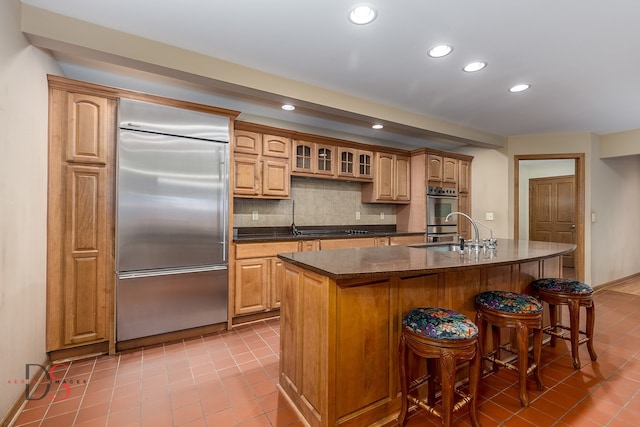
(562, 285)
(509, 302)
(439, 323)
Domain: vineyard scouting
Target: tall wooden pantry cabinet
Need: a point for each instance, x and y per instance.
(80, 237)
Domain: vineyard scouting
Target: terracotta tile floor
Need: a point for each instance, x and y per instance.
(229, 379)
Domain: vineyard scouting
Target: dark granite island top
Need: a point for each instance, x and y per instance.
(345, 264)
(341, 317)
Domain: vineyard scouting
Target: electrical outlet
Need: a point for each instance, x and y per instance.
(254, 215)
(357, 215)
(488, 216)
(381, 215)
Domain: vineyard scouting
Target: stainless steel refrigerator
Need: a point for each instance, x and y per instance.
(171, 222)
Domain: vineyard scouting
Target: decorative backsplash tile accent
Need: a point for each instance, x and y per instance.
(317, 202)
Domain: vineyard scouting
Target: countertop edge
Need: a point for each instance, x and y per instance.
(350, 276)
(285, 238)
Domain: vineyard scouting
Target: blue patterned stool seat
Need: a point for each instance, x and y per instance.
(562, 285)
(509, 302)
(443, 339)
(521, 313)
(557, 292)
(439, 323)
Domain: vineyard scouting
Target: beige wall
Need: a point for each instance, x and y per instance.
(23, 204)
(612, 188)
(489, 190)
(620, 144)
(615, 195)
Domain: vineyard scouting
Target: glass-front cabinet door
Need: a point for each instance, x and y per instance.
(364, 169)
(347, 162)
(355, 163)
(302, 156)
(325, 159)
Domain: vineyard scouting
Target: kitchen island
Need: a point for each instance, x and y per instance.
(341, 314)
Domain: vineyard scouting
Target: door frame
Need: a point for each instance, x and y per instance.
(579, 159)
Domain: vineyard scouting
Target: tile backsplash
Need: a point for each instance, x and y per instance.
(317, 202)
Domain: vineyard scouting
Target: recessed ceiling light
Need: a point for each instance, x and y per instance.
(377, 126)
(362, 14)
(288, 107)
(474, 66)
(440, 50)
(519, 87)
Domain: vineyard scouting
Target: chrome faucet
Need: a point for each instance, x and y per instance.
(475, 226)
(492, 242)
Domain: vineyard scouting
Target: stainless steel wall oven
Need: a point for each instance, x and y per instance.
(441, 201)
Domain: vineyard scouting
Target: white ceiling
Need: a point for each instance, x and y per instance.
(580, 56)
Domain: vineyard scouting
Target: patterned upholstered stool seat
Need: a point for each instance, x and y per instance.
(504, 309)
(445, 338)
(574, 294)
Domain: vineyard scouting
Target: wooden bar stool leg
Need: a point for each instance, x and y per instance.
(589, 330)
(537, 354)
(475, 370)
(448, 373)
(404, 386)
(495, 343)
(481, 323)
(433, 373)
(522, 336)
(553, 321)
(574, 325)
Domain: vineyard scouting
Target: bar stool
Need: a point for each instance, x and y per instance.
(503, 309)
(445, 338)
(574, 294)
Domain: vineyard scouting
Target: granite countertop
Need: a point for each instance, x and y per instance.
(387, 261)
(273, 234)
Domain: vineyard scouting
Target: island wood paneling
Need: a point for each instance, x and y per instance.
(339, 341)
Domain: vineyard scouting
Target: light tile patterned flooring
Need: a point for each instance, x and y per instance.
(229, 379)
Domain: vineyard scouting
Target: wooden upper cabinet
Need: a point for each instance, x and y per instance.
(364, 164)
(325, 159)
(247, 142)
(247, 178)
(87, 122)
(434, 167)
(276, 146)
(276, 178)
(402, 185)
(464, 176)
(391, 180)
(384, 179)
(449, 170)
(310, 158)
(302, 157)
(261, 165)
(354, 163)
(347, 162)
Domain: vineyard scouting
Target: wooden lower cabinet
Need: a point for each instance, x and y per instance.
(414, 239)
(365, 242)
(258, 273)
(258, 276)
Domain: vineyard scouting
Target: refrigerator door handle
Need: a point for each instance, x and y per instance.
(136, 274)
(225, 219)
